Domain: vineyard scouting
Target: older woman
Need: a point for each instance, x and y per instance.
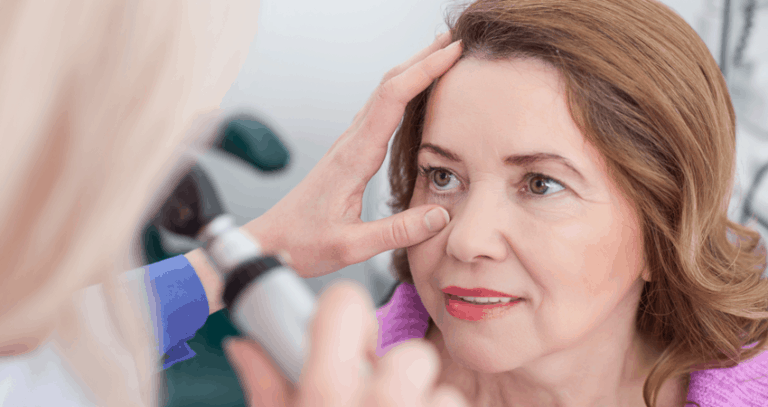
(585, 152)
(100, 101)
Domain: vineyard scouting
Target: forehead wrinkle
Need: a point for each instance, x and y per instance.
(449, 99)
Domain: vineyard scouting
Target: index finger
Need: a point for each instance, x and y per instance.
(391, 97)
(440, 42)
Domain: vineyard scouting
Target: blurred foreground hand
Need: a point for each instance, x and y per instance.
(342, 369)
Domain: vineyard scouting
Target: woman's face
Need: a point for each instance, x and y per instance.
(534, 215)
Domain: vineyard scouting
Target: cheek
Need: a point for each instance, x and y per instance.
(597, 257)
(585, 269)
(424, 257)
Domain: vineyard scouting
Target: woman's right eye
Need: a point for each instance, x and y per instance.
(441, 178)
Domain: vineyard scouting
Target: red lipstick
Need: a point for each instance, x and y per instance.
(475, 292)
(471, 311)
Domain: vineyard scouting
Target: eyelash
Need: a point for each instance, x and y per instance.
(428, 170)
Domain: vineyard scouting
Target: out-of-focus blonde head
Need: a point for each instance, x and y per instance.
(97, 104)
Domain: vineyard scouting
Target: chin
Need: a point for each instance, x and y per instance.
(480, 360)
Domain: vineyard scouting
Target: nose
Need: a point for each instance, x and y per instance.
(478, 227)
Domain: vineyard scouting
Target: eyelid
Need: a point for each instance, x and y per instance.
(531, 175)
(428, 169)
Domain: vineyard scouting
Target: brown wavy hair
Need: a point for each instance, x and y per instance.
(645, 91)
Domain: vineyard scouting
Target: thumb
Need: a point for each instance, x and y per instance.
(403, 229)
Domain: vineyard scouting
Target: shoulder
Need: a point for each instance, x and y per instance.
(403, 317)
(745, 384)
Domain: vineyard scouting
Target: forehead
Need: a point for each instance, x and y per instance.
(517, 105)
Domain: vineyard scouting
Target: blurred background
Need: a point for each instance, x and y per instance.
(313, 65)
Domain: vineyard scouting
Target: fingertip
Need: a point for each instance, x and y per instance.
(428, 351)
(454, 45)
(446, 396)
(347, 292)
(416, 359)
(237, 349)
(341, 327)
(229, 344)
(443, 38)
(436, 219)
(233, 351)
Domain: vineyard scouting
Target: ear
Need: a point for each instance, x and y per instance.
(646, 273)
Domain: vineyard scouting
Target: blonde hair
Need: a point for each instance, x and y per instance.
(95, 98)
(646, 92)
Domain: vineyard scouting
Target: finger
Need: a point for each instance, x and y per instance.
(406, 375)
(440, 42)
(261, 382)
(448, 396)
(373, 342)
(389, 101)
(340, 337)
(403, 229)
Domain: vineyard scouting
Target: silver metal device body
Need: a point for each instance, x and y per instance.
(275, 310)
(226, 245)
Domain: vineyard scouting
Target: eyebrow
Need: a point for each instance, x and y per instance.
(519, 160)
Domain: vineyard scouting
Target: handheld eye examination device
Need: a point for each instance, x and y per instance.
(266, 299)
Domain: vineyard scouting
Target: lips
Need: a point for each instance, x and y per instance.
(475, 292)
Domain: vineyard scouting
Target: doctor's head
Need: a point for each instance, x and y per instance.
(99, 102)
(585, 152)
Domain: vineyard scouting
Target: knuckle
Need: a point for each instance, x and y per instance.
(343, 156)
(342, 253)
(398, 234)
(357, 116)
(384, 91)
(423, 72)
(395, 89)
(387, 92)
(390, 74)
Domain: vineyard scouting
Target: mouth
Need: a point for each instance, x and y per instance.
(482, 300)
(480, 295)
(478, 303)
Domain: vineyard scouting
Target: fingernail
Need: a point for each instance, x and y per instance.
(436, 219)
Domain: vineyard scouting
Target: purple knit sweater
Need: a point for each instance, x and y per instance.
(746, 385)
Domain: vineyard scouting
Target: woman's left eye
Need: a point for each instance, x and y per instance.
(441, 178)
(541, 185)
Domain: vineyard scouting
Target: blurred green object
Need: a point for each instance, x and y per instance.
(207, 379)
(153, 245)
(256, 144)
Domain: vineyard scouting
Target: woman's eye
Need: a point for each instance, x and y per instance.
(539, 184)
(441, 178)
